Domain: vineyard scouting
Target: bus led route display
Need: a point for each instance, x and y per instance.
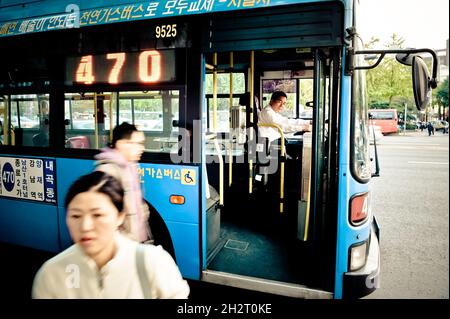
(122, 67)
(28, 178)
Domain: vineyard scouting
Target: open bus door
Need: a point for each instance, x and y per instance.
(257, 242)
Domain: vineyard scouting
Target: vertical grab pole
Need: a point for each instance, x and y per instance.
(8, 139)
(308, 205)
(283, 160)
(250, 137)
(5, 124)
(96, 120)
(230, 154)
(214, 124)
(113, 95)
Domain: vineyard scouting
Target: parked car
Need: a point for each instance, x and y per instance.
(440, 125)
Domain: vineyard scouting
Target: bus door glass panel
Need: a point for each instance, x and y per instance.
(223, 112)
(328, 120)
(223, 98)
(306, 95)
(319, 105)
(360, 122)
(287, 86)
(30, 119)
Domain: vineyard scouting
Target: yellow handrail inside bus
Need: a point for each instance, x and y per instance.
(283, 153)
(305, 235)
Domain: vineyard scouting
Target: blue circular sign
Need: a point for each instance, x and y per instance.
(8, 177)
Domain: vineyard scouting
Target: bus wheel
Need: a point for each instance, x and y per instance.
(160, 231)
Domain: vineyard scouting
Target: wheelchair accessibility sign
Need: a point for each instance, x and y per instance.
(188, 177)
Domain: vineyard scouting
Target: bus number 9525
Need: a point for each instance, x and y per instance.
(166, 31)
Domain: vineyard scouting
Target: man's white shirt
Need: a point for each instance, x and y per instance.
(269, 116)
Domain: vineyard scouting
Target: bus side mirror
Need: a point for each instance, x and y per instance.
(421, 83)
(405, 58)
(420, 76)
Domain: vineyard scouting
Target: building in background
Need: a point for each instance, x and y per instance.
(435, 111)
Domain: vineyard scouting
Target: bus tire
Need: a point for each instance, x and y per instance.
(160, 231)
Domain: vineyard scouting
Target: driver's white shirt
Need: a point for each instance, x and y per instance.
(269, 116)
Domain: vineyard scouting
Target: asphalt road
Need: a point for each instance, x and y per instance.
(410, 200)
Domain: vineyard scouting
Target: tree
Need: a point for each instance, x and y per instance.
(441, 96)
(389, 85)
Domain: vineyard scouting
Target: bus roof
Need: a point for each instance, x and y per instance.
(28, 16)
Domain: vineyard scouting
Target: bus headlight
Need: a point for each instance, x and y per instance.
(358, 256)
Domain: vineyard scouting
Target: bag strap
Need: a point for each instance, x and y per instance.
(140, 264)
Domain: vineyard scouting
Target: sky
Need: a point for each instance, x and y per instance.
(421, 23)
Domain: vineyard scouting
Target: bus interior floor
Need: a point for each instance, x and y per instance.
(259, 253)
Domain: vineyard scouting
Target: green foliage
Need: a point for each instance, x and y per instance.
(223, 83)
(441, 93)
(389, 85)
(378, 104)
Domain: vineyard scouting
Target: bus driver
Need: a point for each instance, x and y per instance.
(271, 114)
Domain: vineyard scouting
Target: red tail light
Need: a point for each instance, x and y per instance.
(359, 208)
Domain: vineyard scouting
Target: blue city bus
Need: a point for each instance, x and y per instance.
(231, 208)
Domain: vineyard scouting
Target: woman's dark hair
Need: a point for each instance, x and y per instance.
(98, 182)
(122, 131)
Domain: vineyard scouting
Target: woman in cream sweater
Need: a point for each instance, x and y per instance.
(102, 263)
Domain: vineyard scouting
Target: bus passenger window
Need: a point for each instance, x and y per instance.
(30, 120)
(85, 127)
(153, 112)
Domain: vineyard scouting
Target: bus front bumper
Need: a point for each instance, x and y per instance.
(364, 281)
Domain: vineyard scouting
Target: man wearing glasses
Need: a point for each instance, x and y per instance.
(121, 161)
(271, 114)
